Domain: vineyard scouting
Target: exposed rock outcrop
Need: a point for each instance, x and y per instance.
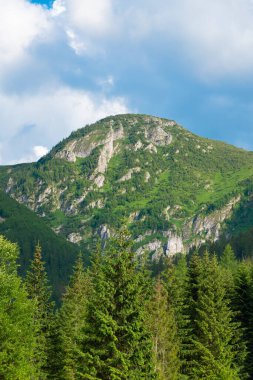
(83, 147)
(75, 238)
(104, 232)
(128, 175)
(154, 246)
(174, 244)
(158, 136)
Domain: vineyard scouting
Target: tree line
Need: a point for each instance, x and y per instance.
(116, 321)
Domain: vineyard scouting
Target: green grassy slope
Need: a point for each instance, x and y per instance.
(188, 176)
(24, 227)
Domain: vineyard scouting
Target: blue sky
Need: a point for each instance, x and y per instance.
(70, 62)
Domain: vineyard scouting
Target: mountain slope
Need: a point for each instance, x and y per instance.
(174, 189)
(22, 226)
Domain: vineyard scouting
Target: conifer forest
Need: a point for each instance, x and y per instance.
(125, 317)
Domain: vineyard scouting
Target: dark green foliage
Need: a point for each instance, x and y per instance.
(22, 226)
(72, 321)
(17, 325)
(176, 279)
(40, 293)
(117, 323)
(162, 324)
(217, 349)
(243, 304)
(117, 345)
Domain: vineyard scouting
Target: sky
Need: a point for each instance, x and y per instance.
(68, 63)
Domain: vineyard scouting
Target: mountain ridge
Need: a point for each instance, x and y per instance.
(171, 187)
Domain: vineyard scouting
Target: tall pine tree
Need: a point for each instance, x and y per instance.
(217, 351)
(117, 345)
(162, 324)
(176, 280)
(39, 291)
(17, 327)
(72, 321)
(243, 304)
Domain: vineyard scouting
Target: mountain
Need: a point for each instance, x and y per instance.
(22, 226)
(173, 189)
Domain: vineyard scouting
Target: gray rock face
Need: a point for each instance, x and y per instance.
(83, 147)
(128, 175)
(203, 228)
(154, 246)
(174, 244)
(158, 136)
(75, 238)
(108, 149)
(99, 180)
(104, 232)
(209, 226)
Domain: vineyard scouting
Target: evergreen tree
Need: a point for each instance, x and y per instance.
(217, 352)
(176, 280)
(228, 260)
(39, 291)
(72, 320)
(162, 324)
(117, 345)
(243, 304)
(229, 266)
(17, 328)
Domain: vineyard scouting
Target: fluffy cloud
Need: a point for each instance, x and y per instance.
(41, 120)
(33, 155)
(60, 67)
(216, 35)
(91, 16)
(21, 23)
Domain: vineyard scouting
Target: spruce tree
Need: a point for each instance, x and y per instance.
(17, 327)
(228, 260)
(176, 280)
(72, 321)
(162, 324)
(229, 267)
(243, 304)
(217, 351)
(117, 345)
(39, 291)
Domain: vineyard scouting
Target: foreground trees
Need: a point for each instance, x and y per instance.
(39, 292)
(71, 321)
(194, 321)
(164, 331)
(17, 326)
(217, 349)
(117, 344)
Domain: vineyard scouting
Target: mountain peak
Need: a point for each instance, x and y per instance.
(146, 130)
(172, 188)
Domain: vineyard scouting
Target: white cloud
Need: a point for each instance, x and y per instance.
(76, 43)
(31, 156)
(39, 151)
(91, 16)
(213, 38)
(216, 35)
(43, 119)
(20, 24)
(58, 8)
